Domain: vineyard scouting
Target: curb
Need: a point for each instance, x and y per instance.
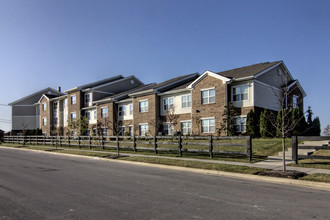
(276, 180)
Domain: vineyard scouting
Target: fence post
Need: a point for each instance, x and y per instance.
(60, 141)
(102, 142)
(180, 145)
(68, 140)
(295, 149)
(90, 142)
(117, 144)
(211, 146)
(249, 148)
(53, 141)
(155, 145)
(24, 140)
(134, 143)
(30, 139)
(78, 141)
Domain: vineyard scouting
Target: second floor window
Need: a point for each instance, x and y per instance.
(95, 115)
(55, 107)
(122, 110)
(185, 101)
(44, 106)
(143, 105)
(240, 93)
(44, 121)
(130, 106)
(168, 103)
(73, 99)
(208, 96)
(104, 112)
(294, 101)
(87, 98)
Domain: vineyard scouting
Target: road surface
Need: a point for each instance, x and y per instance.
(36, 185)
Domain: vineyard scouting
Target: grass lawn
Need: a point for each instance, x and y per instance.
(318, 177)
(196, 164)
(313, 163)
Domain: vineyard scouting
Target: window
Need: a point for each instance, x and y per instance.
(143, 129)
(294, 101)
(122, 131)
(143, 106)
(95, 114)
(104, 112)
(44, 121)
(168, 103)
(208, 96)
(44, 106)
(240, 124)
(130, 130)
(87, 98)
(130, 106)
(73, 99)
(88, 115)
(55, 107)
(168, 129)
(208, 125)
(122, 110)
(88, 132)
(185, 101)
(104, 132)
(186, 127)
(73, 133)
(240, 93)
(73, 116)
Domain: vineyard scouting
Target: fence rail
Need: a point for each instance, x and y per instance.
(241, 145)
(296, 146)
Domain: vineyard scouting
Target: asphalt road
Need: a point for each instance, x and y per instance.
(45, 186)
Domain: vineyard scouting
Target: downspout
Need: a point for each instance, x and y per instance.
(226, 98)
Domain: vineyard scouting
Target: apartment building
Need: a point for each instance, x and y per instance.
(188, 104)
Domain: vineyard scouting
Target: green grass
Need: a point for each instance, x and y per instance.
(269, 147)
(313, 163)
(196, 164)
(317, 177)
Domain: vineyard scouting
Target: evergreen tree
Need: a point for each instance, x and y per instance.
(298, 119)
(316, 127)
(265, 126)
(252, 127)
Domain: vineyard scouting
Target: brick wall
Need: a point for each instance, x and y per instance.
(45, 114)
(215, 110)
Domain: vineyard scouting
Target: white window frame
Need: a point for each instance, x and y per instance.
(95, 114)
(104, 114)
(208, 97)
(295, 101)
(75, 116)
(87, 98)
(73, 99)
(187, 102)
(144, 108)
(239, 95)
(208, 125)
(186, 130)
(239, 126)
(88, 115)
(44, 121)
(168, 129)
(130, 130)
(44, 106)
(168, 103)
(122, 110)
(145, 130)
(130, 109)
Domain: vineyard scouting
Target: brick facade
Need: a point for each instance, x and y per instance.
(45, 114)
(212, 110)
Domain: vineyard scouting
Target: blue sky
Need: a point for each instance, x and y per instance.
(45, 43)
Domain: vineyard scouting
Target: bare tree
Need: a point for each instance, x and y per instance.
(326, 131)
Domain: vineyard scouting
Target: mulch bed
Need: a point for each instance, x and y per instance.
(291, 174)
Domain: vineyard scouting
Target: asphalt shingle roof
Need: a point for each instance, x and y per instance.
(247, 70)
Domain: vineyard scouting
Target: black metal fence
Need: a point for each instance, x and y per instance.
(239, 145)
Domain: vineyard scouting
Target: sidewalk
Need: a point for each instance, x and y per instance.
(273, 162)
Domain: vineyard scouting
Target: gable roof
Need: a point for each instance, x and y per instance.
(168, 84)
(95, 84)
(207, 73)
(248, 71)
(41, 92)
